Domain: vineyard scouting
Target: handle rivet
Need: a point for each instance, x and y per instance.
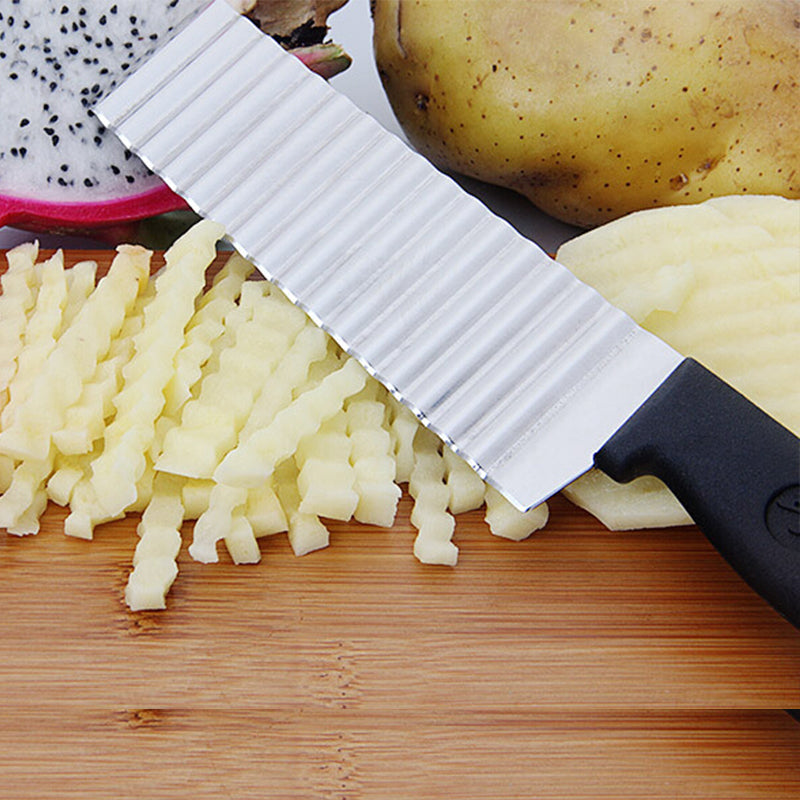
(783, 516)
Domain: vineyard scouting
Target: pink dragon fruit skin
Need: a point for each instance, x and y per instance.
(49, 217)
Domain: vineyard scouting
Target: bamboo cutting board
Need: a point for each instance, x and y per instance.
(579, 663)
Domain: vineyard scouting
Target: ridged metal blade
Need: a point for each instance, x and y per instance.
(517, 365)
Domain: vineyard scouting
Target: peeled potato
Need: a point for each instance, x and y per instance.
(720, 282)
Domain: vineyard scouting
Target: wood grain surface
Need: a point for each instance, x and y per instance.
(580, 663)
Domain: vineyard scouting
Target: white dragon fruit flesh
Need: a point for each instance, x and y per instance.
(59, 168)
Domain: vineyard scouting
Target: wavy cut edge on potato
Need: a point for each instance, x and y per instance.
(718, 281)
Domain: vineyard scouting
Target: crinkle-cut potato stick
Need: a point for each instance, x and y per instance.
(719, 282)
(81, 279)
(305, 367)
(372, 457)
(326, 479)
(84, 422)
(195, 448)
(25, 499)
(439, 480)
(467, 490)
(240, 540)
(236, 315)
(68, 470)
(25, 496)
(154, 561)
(85, 508)
(508, 522)
(224, 503)
(41, 332)
(204, 328)
(196, 496)
(78, 442)
(403, 428)
(85, 511)
(264, 511)
(306, 532)
(203, 331)
(434, 523)
(74, 358)
(261, 513)
(130, 434)
(255, 459)
(20, 284)
(309, 346)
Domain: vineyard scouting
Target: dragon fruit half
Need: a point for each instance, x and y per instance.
(60, 170)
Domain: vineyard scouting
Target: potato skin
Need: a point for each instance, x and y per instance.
(596, 108)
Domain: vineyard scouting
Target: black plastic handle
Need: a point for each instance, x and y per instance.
(734, 468)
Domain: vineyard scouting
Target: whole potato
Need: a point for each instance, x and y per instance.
(596, 108)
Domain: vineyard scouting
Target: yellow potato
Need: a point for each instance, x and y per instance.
(593, 110)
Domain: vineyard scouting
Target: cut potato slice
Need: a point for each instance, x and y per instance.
(403, 428)
(129, 436)
(434, 523)
(256, 458)
(326, 479)
(306, 531)
(210, 424)
(41, 331)
(73, 359)
(20, 284)
(264, 511)
(719, 282)
(204, 328)
(372, 457)
(508, 522)
(224, 503)
(467, 490)
(155, 559)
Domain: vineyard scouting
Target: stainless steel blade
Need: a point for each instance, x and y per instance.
(521, 368)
